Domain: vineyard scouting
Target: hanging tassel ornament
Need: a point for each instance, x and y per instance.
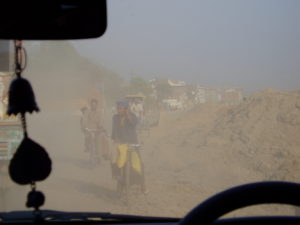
(35, 199)
(21, 95)
(31, 162)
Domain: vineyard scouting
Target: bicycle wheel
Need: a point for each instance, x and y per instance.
(93, 155)
(126, 180)
(123, 183)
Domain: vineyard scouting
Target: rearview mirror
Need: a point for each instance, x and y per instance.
(52, 19)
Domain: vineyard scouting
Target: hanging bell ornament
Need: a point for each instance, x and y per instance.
(30, 163)
(21, 97)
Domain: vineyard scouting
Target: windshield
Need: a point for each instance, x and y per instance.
(195, 96)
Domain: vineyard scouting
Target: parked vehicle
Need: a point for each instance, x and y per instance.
(10, 126)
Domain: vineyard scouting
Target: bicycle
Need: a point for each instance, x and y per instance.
(131, 169)
(94, 158)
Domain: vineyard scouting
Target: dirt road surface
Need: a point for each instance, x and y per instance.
(190, 156)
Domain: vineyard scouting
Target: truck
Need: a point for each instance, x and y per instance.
(10, 126)
(172, 104)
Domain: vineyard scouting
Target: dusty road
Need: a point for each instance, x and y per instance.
(75, 185)
(188, 157)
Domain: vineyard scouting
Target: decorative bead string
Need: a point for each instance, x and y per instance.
(20, 65)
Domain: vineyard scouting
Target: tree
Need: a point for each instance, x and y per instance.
(139, 85)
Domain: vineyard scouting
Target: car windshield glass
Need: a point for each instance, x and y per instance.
(177, 101)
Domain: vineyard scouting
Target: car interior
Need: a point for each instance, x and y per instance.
(31, 164)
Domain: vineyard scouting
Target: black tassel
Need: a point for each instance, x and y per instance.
(30, 163)
(21, 97)
(35, 199)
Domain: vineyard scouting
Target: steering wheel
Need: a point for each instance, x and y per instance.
(241, 196)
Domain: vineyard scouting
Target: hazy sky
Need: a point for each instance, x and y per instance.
(252, 44)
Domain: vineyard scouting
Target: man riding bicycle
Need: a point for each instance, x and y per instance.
(124, 133)
(92, 126)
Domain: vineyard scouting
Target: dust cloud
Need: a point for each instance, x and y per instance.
(191, 155)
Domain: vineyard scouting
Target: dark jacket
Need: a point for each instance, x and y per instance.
(124, 131)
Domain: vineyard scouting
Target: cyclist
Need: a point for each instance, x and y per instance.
(124, 131)
(92, 125)
(82, 126)
(137, 109)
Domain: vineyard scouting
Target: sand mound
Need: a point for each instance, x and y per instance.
(264, 130)
(256, 140)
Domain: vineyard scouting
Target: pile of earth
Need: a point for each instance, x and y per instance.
(222, 146)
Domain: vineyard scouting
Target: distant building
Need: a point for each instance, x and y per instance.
(230, 96)
(167, 89)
